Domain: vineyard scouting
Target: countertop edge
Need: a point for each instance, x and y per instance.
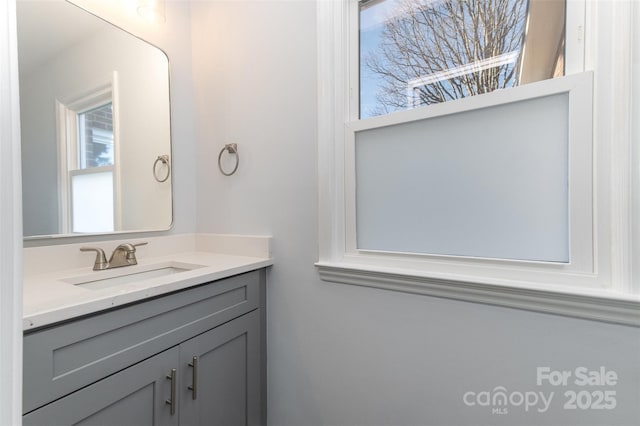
(45, 318)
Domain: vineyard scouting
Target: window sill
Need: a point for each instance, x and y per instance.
(599, 305)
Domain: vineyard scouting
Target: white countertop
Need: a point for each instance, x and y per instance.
(49, 299)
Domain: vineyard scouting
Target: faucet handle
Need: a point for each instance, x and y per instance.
(101, 259)
(131, 248)
(131, 255)
(130, 251)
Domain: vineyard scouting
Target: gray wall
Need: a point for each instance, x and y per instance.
(343, 355)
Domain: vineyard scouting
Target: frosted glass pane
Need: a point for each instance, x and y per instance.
(92, 199)
(489, 183)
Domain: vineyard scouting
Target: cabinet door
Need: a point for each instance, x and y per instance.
(226, 374)
(134, 396)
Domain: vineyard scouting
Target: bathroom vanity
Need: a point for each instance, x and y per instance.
(175, 337)
(183, 349)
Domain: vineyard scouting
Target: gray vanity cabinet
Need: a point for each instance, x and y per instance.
(115, 368)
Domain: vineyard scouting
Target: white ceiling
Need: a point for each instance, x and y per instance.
(46, 27)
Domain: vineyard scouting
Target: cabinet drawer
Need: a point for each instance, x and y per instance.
(132, 397)
(62, 359)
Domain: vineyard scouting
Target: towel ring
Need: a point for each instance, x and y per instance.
(164, 159)
(233, 149)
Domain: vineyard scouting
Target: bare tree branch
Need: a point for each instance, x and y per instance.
(430, 37)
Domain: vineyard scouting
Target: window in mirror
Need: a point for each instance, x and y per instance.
(420, 52)
(95, 142)
(92, 201)
(92, 191)
(87, 146)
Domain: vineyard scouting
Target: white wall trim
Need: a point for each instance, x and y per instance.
(10, 223)
(606, 306)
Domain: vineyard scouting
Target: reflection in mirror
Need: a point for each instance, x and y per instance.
(95, 118)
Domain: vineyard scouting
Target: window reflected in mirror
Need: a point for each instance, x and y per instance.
(95, 130)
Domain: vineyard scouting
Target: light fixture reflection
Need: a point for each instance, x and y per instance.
(152, 10)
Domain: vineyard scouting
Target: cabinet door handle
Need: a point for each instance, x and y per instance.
(194, 376)
(172, 401)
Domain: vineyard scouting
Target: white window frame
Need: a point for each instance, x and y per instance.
(67, 110)
(598, 288)
(635, 155)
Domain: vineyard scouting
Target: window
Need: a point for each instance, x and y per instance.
(87, 145)
(420, 52)
(426, 183)
(497, 192)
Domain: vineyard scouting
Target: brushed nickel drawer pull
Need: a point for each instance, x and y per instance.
(194, 374)
(172, 400)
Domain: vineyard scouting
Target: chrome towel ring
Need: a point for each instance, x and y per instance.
(232, 148)
(162, 159)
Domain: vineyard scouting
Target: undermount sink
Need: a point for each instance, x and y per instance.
(129, 274)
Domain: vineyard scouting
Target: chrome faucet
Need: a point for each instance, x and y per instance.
(123, 255)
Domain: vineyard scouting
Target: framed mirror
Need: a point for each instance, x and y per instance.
(95, 125)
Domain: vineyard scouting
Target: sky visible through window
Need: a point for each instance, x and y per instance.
(420, 52)
(371, 25)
